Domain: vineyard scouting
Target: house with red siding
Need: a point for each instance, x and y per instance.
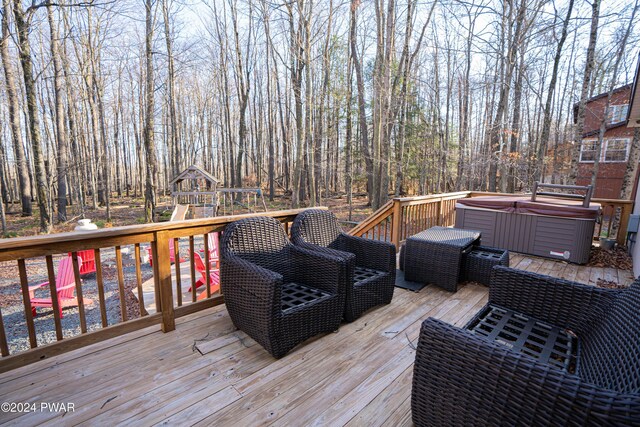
(614, 151)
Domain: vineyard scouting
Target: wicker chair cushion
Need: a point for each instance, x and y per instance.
(362, 275)
(611, 351)
(318, 227)
(295, 295)
(542, 341)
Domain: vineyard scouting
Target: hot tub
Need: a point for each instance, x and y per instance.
(547, 227)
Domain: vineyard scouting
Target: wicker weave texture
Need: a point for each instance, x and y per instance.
(461, 378)
(435, 255)
(277, 293)
(478, 264)
(370, 277)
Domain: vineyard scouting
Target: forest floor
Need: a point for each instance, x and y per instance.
(129, 211)
(124, 211)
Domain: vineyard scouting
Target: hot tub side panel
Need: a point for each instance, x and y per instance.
(554, 236)
(478, 219)
(539, 235)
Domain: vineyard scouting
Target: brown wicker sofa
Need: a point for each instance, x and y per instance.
(487, 374)
(277, 293)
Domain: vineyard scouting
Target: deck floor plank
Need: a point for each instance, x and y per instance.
(207, 372)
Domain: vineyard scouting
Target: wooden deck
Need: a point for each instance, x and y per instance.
(207, 372)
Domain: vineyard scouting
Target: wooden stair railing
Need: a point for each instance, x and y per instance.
(401, 217)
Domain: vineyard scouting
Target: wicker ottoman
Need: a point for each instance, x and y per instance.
(480, 261)
(435, 255)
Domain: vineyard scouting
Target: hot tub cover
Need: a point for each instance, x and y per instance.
(498, 203)
(557, 207)
(542, 206)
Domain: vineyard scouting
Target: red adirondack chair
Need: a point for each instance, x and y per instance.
(214, 256)
(88, 261)
(214, 276)
(172, 253)
(65, 287)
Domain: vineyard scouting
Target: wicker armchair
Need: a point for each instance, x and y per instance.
(277, 293)
(479, 375)
(370, 278)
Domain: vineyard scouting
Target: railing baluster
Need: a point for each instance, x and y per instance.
(403, 224)
(412, 218)
(176, 256)
(28, 314)
(386, 225)
(207, 265)
(54, 297)
(136, 251)
(192, 264)
(123, 301)
(611, 217)
(100, 283)
(78, 282)
(156, 285)
(4, 348)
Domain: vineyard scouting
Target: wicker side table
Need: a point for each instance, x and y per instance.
(480, 261)
(435, 255)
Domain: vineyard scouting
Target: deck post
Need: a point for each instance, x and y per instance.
(625, 211)
(396, 221)
(163, 279)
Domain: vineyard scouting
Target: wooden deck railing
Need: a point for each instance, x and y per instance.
(113, 278)
(401, 217)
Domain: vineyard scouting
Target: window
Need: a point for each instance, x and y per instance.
(617, 113)
(612, 150)
(588, 150)
(616, 150)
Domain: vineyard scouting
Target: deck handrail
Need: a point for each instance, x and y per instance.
(168, 306)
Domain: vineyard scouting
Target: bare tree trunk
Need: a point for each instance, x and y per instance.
(61, 135)
(362, 115)
(310, 144)
(588, 69)
(3, 189)
(297, 67)
(172, 101)
(546, 123)
(348, 167)
(22, 25)
(149, 144)
(270, 113)
(632, 167)
(14, 115)
(465, 101)
(319, 128)
(243, 87)
(510, 183)
(497, 124)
